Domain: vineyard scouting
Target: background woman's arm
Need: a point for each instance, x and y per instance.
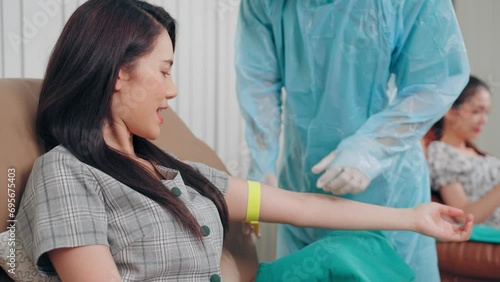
(453, 194)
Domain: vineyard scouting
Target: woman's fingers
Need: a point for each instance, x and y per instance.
(451, 211)
(467, 226)
(463, 232)
(450, 230)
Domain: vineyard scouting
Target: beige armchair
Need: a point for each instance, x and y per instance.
(19, 149)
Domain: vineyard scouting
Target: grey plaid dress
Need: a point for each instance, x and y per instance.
(68, 203)
(477, 174)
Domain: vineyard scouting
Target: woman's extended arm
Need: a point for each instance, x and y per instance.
(86, 263)
(316, 210)
(453, 194)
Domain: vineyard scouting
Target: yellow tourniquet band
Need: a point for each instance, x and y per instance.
(253, 204)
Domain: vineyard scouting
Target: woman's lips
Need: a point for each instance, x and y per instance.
(158, 113)
(159, 117)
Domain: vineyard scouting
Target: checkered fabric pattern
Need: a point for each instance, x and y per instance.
(68, 204)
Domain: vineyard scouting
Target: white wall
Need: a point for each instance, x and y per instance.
(479, 23)
(203, 69)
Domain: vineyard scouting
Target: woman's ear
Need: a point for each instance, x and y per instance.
(122, 78)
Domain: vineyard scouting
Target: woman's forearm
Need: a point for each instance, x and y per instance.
(484, 207)
(338, 213)
(326, 211)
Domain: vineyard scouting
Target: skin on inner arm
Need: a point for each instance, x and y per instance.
(324, 211)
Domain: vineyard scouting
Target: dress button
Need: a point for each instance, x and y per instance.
(205, 230)
(215, 278)
(177, 192)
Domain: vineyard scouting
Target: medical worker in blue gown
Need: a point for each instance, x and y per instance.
(343, 131)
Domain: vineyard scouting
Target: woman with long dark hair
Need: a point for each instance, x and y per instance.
(105, 204)
(463, 175)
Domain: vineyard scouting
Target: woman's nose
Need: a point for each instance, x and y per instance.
(171, 91)
(484, 119)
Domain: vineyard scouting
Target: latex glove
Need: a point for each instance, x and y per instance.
(270, 179)
(338, 179)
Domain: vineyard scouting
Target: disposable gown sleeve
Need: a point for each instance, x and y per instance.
(258, 87)
(431, 68)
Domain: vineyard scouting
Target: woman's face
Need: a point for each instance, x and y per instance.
(141, 94)
(468, 119)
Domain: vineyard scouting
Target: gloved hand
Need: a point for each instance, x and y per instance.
(270, 179)
(339, 180)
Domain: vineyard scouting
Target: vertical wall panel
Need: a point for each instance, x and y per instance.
(196, 110)
(171, 7)
(183, 58)
(2, 24)
(230, 127)
(43, 20)
(68, 7)
(223, 137)
(12, 38)
(209, 92)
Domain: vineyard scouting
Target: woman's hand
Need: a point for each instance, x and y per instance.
(433, 219)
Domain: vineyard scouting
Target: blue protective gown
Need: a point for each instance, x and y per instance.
(335, 60)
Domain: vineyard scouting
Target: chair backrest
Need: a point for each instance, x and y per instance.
(19, 149)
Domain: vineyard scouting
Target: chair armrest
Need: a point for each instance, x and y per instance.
(473, 259)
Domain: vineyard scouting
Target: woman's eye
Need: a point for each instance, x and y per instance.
(165, 74)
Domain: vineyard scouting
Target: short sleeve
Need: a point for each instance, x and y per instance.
(445, 165)
(219, 178)
(62, 206)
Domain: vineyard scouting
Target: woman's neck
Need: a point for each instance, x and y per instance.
(453, 140)
(118, 137)
(460, 144)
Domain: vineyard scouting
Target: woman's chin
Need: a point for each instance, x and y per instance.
(150, 135)
(472, 138)
(153, 136)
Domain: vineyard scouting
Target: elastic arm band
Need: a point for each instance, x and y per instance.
(253, 204)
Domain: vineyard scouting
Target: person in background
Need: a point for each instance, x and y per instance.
(343, 131)
(105, 204)
(462, 174)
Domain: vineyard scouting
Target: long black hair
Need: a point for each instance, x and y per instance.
(75, 100)
(436, 131)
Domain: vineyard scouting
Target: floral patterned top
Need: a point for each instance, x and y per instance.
(477, 174)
